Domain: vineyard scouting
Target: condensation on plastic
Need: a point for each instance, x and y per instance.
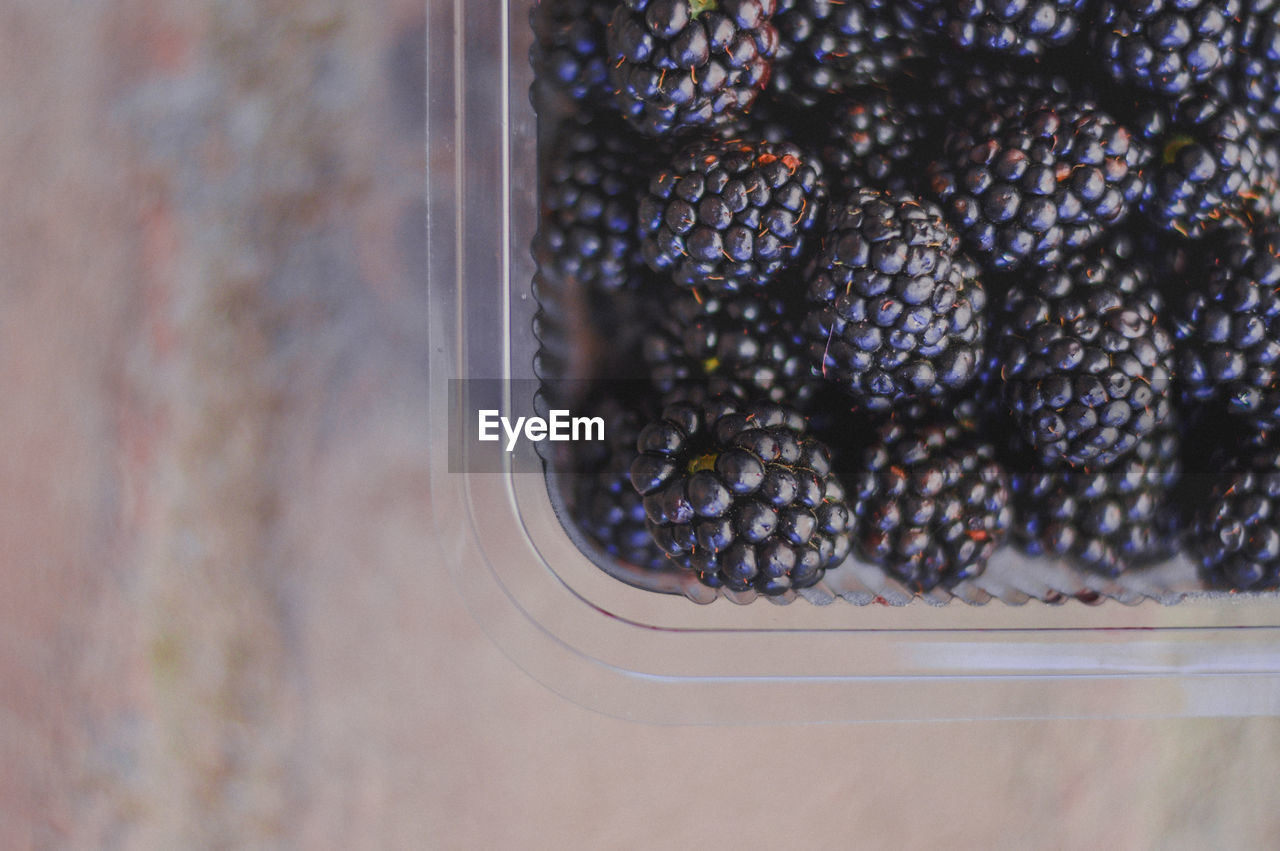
(1071, 645)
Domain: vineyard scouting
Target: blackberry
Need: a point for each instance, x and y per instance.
(1033, 179)
(748, 345)
(1229, 326)
(1086, 364)
(605, 507)
(1207, 164)
(1235, 534)
(1257, 72)
(956, 88)
(680, 65)
(873, 140)
(832, 46)
(587, 230)
(1014, 27)
(932, 503)
(740, 494)
(1167, 46)
(568, 52)
(729, 215)
(1106, 520)
(895, 313)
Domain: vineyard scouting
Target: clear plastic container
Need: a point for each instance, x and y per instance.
(1031, 640)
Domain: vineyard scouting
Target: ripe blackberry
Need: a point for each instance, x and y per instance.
(1030, 181)
(932, 503)
(1257, 72)
(1086, 364)
(679, 65)
(1207, 163)
(832, 46)
(959, 88)
(895, 313)
(568, 52)
(1014, 27)
(591, 179)
(1235, 533)
(1167, 46)
(748, 345)
(873, 140)
(730, 215)
(1229, 326)
(604, 506)
(739, 493)
(1106, 520)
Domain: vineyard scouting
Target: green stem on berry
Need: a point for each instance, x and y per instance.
(703, 462)
(697, 7)
(1174, 145)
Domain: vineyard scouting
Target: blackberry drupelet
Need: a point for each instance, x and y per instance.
(605, 507)
(1014, 27)
(1235, 533)
(740, 494)
(896, 314)
(591, 180)
(1105, 520)
(1267, 199)
(568, 52)
(873, 140)
(831, 46)
(731, 215)
(1032, 180)
(1167, 46)
(1208, 162)
(682, 65)
(1228, 327)
(748, 345)
(932, 503)
(1087, 366)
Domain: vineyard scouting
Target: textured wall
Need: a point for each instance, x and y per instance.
(220, 621)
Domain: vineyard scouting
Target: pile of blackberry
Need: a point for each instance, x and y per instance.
(905, 282)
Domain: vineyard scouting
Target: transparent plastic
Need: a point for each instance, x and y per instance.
(1095, 650)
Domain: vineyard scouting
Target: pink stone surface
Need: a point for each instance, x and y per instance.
(222, 621)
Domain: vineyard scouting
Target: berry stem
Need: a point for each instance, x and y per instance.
(697, 7)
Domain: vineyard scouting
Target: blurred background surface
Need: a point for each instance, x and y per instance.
(223, 620)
